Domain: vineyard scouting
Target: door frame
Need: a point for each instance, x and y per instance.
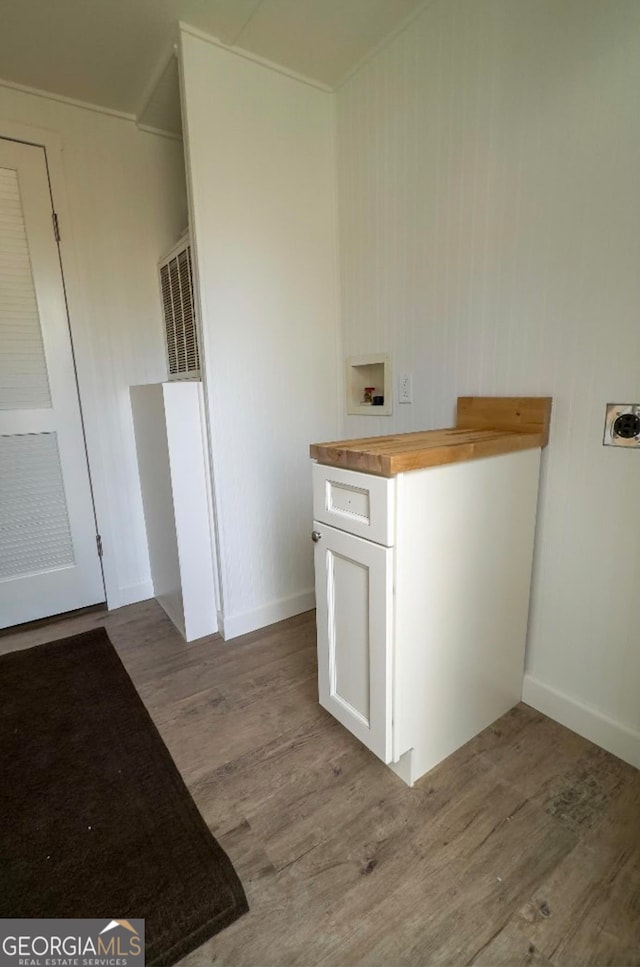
(52, 144)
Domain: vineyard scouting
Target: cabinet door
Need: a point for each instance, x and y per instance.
(354, 600)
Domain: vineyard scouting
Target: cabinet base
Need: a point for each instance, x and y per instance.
(404, 767)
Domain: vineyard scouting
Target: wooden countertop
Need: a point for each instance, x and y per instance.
(485, 426)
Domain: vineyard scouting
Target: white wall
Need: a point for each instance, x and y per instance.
(261, 163)
(126, 205)
(490, 240)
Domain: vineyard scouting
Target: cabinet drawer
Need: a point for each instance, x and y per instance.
(358, 503)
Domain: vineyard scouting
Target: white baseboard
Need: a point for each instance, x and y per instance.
(240, 624)
(130, 595)
(586, 721)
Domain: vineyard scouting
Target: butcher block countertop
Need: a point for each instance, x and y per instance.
(485, 426)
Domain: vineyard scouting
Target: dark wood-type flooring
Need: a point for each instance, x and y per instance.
(522, 848)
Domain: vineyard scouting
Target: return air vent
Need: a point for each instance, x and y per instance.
(181, 333)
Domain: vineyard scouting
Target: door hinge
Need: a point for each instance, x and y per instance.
(56, 225)
(99, 543)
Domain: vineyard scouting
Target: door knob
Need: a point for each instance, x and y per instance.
(315, 536)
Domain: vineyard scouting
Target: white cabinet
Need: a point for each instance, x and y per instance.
(172, 462)
(422, 585)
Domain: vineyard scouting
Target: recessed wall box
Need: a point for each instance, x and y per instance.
(363, 373)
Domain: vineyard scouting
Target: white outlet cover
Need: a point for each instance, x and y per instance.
(405, 388)
(614, 410)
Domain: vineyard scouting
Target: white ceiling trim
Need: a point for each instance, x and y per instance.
(149, 129)
(50, 95)
(247, 55)
(87, 106)
(154, 80)
(187, 28)
(408, 20)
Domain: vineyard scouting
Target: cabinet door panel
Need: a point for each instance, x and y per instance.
(354, 594)
(349, 620)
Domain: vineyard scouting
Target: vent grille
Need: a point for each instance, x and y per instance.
(181, 334)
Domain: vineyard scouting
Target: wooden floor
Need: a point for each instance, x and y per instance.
(522, 848)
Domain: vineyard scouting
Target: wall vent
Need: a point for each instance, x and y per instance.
(178, 306)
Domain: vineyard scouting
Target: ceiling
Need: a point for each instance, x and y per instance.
(112, 53)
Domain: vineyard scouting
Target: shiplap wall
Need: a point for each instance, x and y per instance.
(489, 198)
(260, 150)
(126, 206)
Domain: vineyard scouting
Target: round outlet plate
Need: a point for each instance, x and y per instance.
(627, 425)
(622, 425)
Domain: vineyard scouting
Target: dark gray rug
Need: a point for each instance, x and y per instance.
(95, 819)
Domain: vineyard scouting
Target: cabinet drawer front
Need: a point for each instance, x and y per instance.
(358, 503)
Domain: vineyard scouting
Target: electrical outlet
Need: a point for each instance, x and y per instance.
(405, 388)
(622, 425)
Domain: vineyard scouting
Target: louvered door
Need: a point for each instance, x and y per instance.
(48, 553)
